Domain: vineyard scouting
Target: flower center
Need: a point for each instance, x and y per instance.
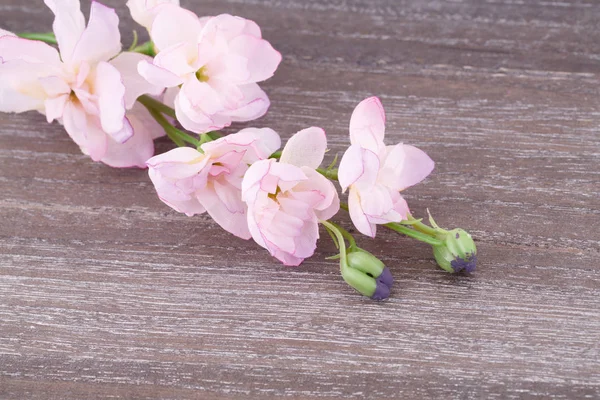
(201, 75)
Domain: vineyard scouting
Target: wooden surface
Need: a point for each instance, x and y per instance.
(107, 293)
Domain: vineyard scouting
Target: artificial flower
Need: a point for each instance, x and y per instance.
(85, 87)
(144, 11)
(216, 62)
(194, 182)
(376, 173)
(286, 199)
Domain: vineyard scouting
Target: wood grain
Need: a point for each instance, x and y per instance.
(107, 293)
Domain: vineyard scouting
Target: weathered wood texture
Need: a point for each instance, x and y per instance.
(107, 293)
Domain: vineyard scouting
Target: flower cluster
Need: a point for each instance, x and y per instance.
(194, 77)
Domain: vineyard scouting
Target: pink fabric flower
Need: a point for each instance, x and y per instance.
(216, 61)
(83, 87)
(287, 199)
(192, 182)
(376, 173)
(144, 11)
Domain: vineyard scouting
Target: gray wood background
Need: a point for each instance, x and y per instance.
(107, 293)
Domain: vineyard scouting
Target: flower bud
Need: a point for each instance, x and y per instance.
(367, 274)
(457, 252)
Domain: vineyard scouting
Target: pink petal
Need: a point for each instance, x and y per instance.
(158, 76)
(186, 156)
(55, 86)
(86, 132)
(174, 25)
(134, 152)
(367, 125)
(358, 165)
(305, 148)
(135, 85)
(225, 206)
(32, 51)
(20, 90)
(144, 11)
(358, 217)
(255, 173)
(255, 104)
(176, 59)
(202, 96)
(68, 25)
(101, 40)
(55, 107)
(262, 58)
(173, 196)
(329, 205)
(405, 166)
(111, 92)
(191, 119)
(257, 144)
(6, 33)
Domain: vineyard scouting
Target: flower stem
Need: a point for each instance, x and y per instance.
(144, 48)
(329, 173)
(398, 227)
(43, 37)
(346, 234)
(334, 229)
(421, 227)
(413, 233)
(150, 102)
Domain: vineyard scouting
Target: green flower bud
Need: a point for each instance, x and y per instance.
(367, 274)
(457, 252)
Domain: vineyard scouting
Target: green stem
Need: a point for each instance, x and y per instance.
(276, 155)
(150, 102)
(43, 37)
(332, 228)
(413, 233)
(346, 234)
(167, 127)
(144, 48)
(397, 227)
(329, 173)
(421, 227)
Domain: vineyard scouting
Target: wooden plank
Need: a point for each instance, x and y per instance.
(105, 292)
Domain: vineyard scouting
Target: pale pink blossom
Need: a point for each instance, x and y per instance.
(192, 182)
(216, 62)
(85, 87)
(376, 173)
(286, 199)
(144, 11)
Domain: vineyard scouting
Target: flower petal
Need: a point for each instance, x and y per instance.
(262, 58)
(305, 148)
(254, 105)
(134, 152)
(174, 25)
(135, 85)
(20, 88)
(86, 132)
(6, 33)
(405, 166)
(357, 215)
(367, 125)
(33, 51)
(68, 25)
(158, 76)
(224, 204)
(101, 40)
(111, 91)
(144, 11)
(358, 165)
